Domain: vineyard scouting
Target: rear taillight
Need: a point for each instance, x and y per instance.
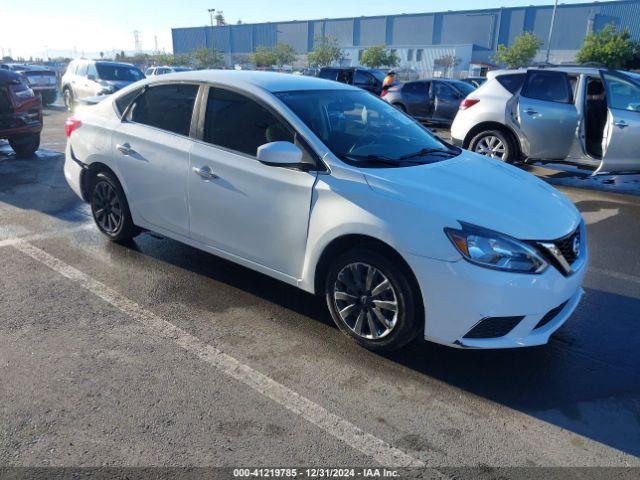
(71, 125)
(468, 103)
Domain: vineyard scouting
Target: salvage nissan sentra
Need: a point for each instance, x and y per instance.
(328, 188)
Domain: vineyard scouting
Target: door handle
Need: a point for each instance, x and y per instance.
(621, 124)
(124, 149)
(205, 173)
(530, 111)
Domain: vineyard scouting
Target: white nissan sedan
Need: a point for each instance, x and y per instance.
(328, 188)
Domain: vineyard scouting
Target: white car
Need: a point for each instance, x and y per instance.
(330, 189)
(163, 70)
(581, 115)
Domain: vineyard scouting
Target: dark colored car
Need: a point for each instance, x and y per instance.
(368, 79)
(433, 101)
(91, 78)
(20, 114)
(42, 80)
(474, 81)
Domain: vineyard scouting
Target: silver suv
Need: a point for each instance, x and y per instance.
(584, 116)
(89, 78)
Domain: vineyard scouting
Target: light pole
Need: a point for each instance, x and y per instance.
(211, 12)
(553, 22)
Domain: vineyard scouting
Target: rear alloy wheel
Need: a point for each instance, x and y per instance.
(25, 145)
(372, 300)
(110, 209)
(493, 144)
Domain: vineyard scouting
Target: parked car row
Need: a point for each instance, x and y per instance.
(41, 80)
(163, 70)
(433, 101)
(584, 116)
(20, 113)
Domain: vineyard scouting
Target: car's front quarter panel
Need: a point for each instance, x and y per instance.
(344, 204)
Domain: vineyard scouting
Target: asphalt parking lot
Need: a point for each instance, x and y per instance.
(154, 353)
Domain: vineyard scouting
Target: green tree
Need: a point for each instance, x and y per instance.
(207, 58)
(608, 47)
(263, 57)
(378, 56)
(326, 52)
(521, 53)
(285, 54)
(447, 63)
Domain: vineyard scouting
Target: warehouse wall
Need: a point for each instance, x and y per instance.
(484, 29)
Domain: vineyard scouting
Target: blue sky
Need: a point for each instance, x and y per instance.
(81, 26)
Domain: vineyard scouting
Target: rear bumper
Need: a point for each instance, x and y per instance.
(73, 171)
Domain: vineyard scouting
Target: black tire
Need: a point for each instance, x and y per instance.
(25, 145)
(482, 141)
(69, 101)
(49, 97)
(110, 208)
(408, 318)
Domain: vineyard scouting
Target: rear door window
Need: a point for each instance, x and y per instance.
(622, 94)
(328, 73)
(547, 86)
(125, 100)
(167, 107)
(416, 88)
(512, 82)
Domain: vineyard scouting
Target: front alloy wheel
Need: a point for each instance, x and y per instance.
(366, 301)
(374, 299)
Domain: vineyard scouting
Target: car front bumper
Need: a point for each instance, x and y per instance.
(458, 296)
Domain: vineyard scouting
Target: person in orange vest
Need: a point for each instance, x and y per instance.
(388, 81)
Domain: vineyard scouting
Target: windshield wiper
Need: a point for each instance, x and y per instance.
(428, 151)
(372, 158)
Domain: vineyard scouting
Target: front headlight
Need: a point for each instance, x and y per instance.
(495, 250)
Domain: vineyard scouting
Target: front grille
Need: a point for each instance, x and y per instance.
(552, 314)
(493, 327)
(5, 103)
(565, 245)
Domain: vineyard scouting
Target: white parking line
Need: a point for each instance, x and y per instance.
(342, 429)
(7, 242)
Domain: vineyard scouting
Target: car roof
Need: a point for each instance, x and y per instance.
(8, 77)
(269, 81)
(558, 68)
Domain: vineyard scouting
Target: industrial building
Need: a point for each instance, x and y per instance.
(421, 40)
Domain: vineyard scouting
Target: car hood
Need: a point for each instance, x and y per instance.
(117, 84)
(484, 192)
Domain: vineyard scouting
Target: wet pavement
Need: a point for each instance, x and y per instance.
(88, 381)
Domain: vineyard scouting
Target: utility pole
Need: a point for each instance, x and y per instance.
(553, 22)
(212, 11)
(136, 41)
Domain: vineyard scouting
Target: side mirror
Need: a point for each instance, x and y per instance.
(280, 154)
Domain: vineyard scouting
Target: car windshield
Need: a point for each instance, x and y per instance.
(118, 72)
(365, 131)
